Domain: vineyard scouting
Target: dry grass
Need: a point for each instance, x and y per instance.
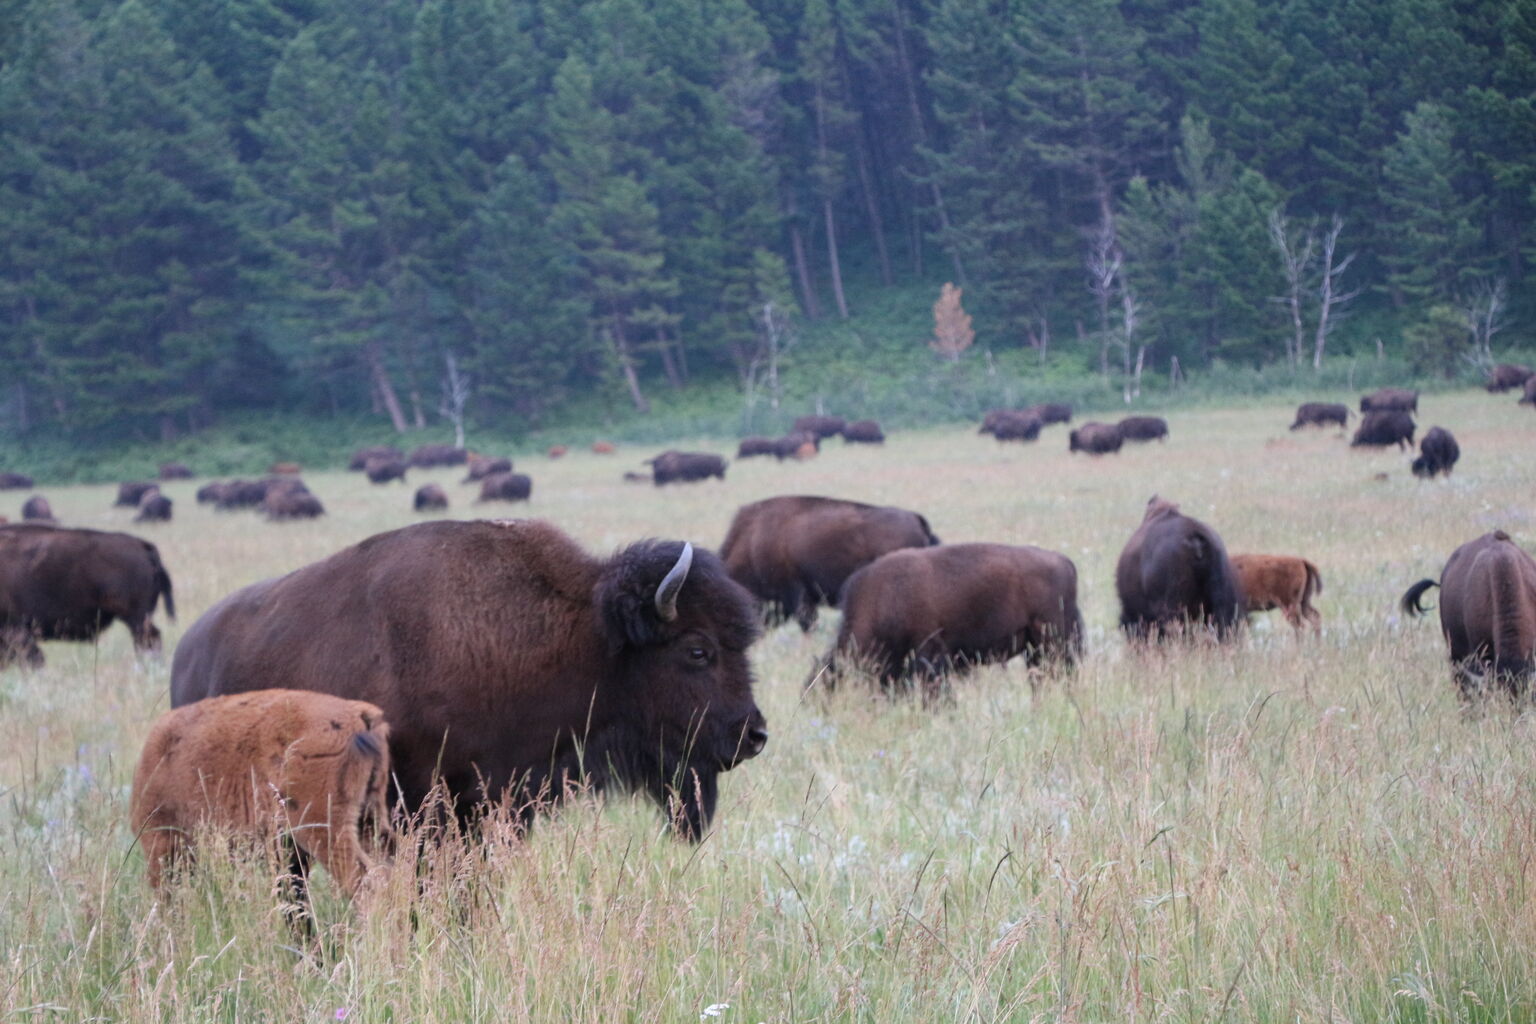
(1282, 831)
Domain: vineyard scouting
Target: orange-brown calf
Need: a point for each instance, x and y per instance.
(1280, 581)
(265, 763)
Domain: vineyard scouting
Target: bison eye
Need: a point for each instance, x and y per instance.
(698, 655)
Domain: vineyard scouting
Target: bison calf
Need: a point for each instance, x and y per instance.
(1438, 452)
(307, 767)
(37, 510)
(1280, 581)
(154, 507)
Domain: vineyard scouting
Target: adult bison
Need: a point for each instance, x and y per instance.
(795, 552)
(154, 507)
(1319, 414)
(1390, 400)
(1527, 397)
(1143, 428)
(63, 584)
(1095, 439)
(1015, 426)
(821, 426)
(1381, 429)
(287, 503)
(382, 469)
(1487, 613)
(430, 498)
(175, 471)
(753, 446)
(14, 481)
(506, 487)
(482, 466)
(863, 432)
(37, 510)
(429, 455)
(359, 461)
(1438, 452)
(509, 662)
(935, 610)
(1506, 377)
(672, 467)
(130, 492)
(1051, 412)
(1174, 574)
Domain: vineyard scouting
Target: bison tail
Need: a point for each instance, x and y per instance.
(1410, 602)
(369, 753)
(1314, 583)
(162, 582)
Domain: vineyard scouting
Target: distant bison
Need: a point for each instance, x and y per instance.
(602, 447)
(751, 447)
(1174, 574)
(1390, 400)
(1013, 426)
(528, 666)
(1095, 439)
(429, 455)
(61, 584)
(557, 451)
(796, 551)
(482, 466)
(154, 507)
(506, 487)
(430, 497)
(309, 767)
(1286, 582)
(1487, 613)
(210, 493)
(936, 610)
(359, 461)
(863, 432)
(1051, 412)
(283, 504)
(175, 471)
(14, 481)
(1318, 414)
(234, 494)
(1438, 452)
(1380, 429)
(1506, 377)
(37, 510)
(676, 467)
(129, 493)
(821, 426)
(381, 470)
(1143, 428)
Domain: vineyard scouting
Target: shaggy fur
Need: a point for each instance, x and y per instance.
(430, 497)
(1438, 452)
(680, 467)
(506, 487)
(1143, 428)
(1390, 400)
(820, 426)
(154, 507)
(1173, 574)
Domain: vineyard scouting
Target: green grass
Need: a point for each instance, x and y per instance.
(1284, 830)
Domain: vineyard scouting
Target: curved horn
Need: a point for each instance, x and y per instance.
(672, 585)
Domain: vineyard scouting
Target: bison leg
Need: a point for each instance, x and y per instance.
(1292, 615)
(690, 804)
(18, 642)
(805, 614)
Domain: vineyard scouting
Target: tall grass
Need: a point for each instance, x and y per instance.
(1281, 830)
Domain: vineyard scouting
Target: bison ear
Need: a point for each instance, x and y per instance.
(638, 593)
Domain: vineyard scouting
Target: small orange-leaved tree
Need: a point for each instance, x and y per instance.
(952, 332)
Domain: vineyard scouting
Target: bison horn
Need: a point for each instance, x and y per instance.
(672, 585)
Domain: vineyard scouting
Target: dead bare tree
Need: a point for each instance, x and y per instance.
(456, 389)
(1329, 298)
(1483, 313)
(1103, 262)
(775, 337)
(1295, 261)
(1129, 321)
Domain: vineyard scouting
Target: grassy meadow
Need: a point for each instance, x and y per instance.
(1279, 831)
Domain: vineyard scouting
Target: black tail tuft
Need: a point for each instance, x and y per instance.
(1410, 602)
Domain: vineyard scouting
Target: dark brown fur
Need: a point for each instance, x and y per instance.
(154, 507)
(37, 510)
(1507, 377)
(14, 481)
(1318, 414)
(1143, 428)
(282, 504)
(1528, 396)
(1173, 574)
(1095, 439)
(863, 432)
(175, 471)
(677, 467)
(482, 466)
(429, 455)
(1380, 429)
(129, 493)
(506, 487)
(360, 458)
(820, 426)
(381, 470)
(1438, 453)
(430, 497)
(1390, 400)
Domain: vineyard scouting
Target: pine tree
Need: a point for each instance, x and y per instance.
(1430, 229)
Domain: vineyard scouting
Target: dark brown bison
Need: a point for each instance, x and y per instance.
(510, 663)
(381, 470)
(37, 510)
(1051, 412)
(796, 551)
(1528, 396)
(129, 493)
(1014, 426)
(482, 466)
(1318, 414)
(820, 426)
(236, 494)
(1175, 574)
(1143, 428)
(1506, 377)
(1095, 439)
(211, 493)
(430, 497)
(672, 467)
(14, 481)
(931, 611)
(1380, 429)
(1438, 452)
(751, 447)
(359, 461)
(1280, 581)
(62, 584)
(429, 455)
(1390, 400)
(1487, 612)
(506, 487)
(154, 507)
(175, 471)
(863, 432)
(282, 504)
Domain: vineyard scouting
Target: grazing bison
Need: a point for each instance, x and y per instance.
(1143, 428)
(926, 612)
(285, 503)
(1318, 414)
(863, 432)
(211, 493)
(1286, 582)
(1487, 612)
(1380, 429)
(674, 467)
(1438, 452)
(62, 584)
(175, 471)
(429, 455)
(602, 448)
(359, 461)
(37, 510)
(129, 493)
(1095, 439)
(14, 481)
(796, 551)
(235, 494)
(1051, 412)
(1390, 400)
(820, 426)
(430, 497)
(795, 445)
(154, 507)
(754, 446)
(1173, 574)
(506, 487)
(381, 470)
(1016, 426)
(482, 466)
(1506, 377)
(510, 663)
(307, 767)
(557, 451)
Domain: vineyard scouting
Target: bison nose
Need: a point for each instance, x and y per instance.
(756, 740)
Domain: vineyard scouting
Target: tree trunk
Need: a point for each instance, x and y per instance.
(669, 364)
(416, 412)
(872, 210)
(382, 385)
(915, 109)
(627, 366)
(803, 272)
(837, 270)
